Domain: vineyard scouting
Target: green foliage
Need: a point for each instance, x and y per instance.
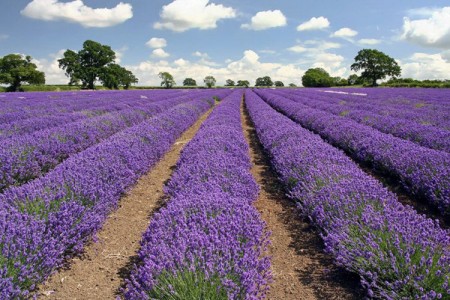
(16, 69)
(279, 83)
(292, 85)
(264, 81)
(317, 77)
(375, 65)
(188, 285)
(210, 81)
(339, 81)
(409, 82)
(189, 82)
(244, 83)
(95, 62)
(166, 79)
(230, 82)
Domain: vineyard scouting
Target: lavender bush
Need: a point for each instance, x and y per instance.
(398, 253)
(209, 241)
(423, 172)
(52, 217)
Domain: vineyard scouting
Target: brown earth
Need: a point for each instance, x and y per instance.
(300, 268)
(100, 271)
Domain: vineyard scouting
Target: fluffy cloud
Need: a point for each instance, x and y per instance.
(432, 31)
(345, 32)
(427, 66)
(314, 24)
(182, 15)
(77, 12)
(248, 67)
(265, 20)
(156, 43)
(50, 66)
(160, 53)
(314, 46)
(369, 42)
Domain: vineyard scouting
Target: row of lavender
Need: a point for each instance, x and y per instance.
(425, 135)
(26, 157)
(420, 105)
(209, 241)
(423, 172)
(50, 218)
(44, 111)
(398, 253)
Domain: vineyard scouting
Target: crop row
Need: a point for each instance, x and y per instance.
(27, 157)
(209, 241)
(424, 135)
(52, 217)
(423, 172)
(397, 253)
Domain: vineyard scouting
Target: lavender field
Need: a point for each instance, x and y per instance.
(368, 170)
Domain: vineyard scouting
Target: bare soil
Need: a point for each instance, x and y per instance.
(301, 270)
(100, 271)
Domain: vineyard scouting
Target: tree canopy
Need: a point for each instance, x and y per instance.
(244, 83)
(264, 81)
(317, 77)
(292, 85)
(229, 82)
(166, 79)
(375, 65)
(95, 62)
(189, 82)
(16, 69)
(210, 81)
(279, 83)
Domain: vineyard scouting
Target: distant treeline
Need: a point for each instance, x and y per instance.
(410, 82)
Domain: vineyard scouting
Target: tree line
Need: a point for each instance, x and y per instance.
(97, 63)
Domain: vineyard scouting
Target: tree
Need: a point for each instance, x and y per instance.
(354, 79)
(16, 69)
(244, 83)
(114, 76)
(375, 65)
(316, 77)
(279, 83)
(167, 79)
(210, 81)
(229, 82)
(92, 63)
(189, 82)
(264, 81)
(292, 85)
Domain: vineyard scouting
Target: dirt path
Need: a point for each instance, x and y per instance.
(99, 273)
(301, 270)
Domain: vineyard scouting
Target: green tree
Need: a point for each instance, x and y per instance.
(354, 79)
(16, 69)
(244, 83)
(279, 83)
(229, 82)
(292, 85)
(264, 81)
(114, 76)
(189, 82)
(166, 79)
(210, 81)
(88, 64)
(316, 77)
(375, 65)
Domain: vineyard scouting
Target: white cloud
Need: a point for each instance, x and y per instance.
(298, 49)
(432, 31)
(267, 51)
(156, 43)
(265, 20)
(248, 67)
(182, 15)
(50, 66)
(426, 66)
(369, 42)
(160, 53)
(200, 54)
(313, 46)
(345, 32)
(314, 24)
(119, 54)
(77, 12)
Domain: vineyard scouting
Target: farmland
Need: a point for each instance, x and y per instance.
(225, 194)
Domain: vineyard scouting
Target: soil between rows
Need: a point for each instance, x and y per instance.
(100, 271)
(300, 268)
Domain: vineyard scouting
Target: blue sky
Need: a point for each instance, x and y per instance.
(232, 39)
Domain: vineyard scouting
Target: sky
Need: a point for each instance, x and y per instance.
(231, 39)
